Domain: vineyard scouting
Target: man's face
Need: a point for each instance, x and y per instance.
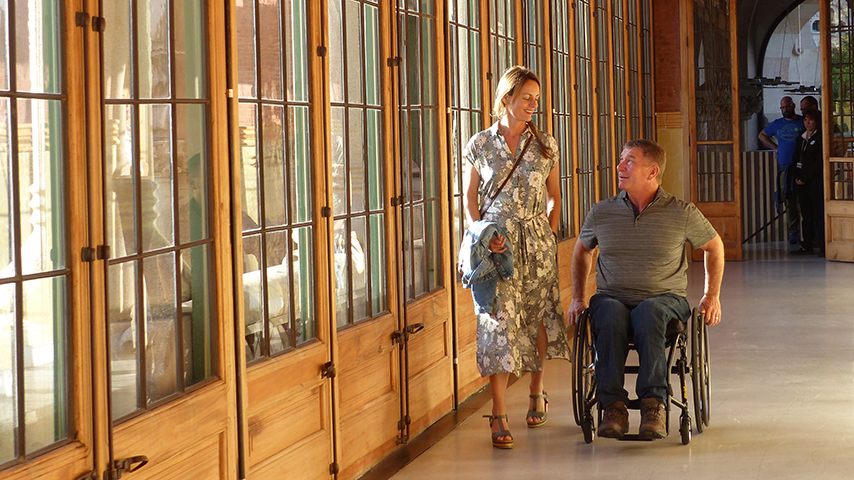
(634, 172)
(787, 106)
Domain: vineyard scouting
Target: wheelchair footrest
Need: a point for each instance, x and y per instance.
(634, 437)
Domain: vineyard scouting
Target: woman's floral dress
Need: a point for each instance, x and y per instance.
(507, 338)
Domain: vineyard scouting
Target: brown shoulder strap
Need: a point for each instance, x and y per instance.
(515, 164)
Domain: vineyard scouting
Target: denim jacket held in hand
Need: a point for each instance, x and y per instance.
(480, 267)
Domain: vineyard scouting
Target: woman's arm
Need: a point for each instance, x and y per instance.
(471, 185)
(553, 198)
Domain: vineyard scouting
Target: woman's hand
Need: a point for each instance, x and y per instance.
(799, 181)
(496, 245)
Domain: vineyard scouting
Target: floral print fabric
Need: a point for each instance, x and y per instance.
(507, 338)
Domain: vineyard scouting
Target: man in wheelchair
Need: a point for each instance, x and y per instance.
(641, 284)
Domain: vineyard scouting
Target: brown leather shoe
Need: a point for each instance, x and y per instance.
(653, 416)
(615, 421)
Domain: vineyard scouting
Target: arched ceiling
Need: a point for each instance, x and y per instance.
(756, 22)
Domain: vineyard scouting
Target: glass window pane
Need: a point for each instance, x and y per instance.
(303, 285)
(339, 162)
(155, 171)
(356, 159)
(246, 34)
(197, 314)
(432, 227)
(379, 298)
(192, 177)
(428, 60)
(37, 58)
(272, 135)
(413, 181)
(7, 253)
(190, 61)
(4, 53)
(153, 49)
(124, 338)
(296, 52)
(429, 155)
(45, 379)
(254, 307)
(278, 291)
(336, 52)
(8, 374)
(270, 55)
(250, 171)
(358, 237)
(341, 245)
(373, 80)
(374, 160)
(354, 51)
(299, 150)
(160, 309)
(120, 207)
(40, 177)
(118, 67)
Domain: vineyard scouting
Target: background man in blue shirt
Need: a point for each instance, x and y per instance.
(787, 130)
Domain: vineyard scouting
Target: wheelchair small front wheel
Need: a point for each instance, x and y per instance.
(685, 429)
(587, 428)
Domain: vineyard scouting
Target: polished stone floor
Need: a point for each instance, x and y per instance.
(782, 403)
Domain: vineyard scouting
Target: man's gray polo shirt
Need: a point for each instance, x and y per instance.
(643, 255)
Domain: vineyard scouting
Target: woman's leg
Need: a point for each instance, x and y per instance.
(537, 387)
(498, 385)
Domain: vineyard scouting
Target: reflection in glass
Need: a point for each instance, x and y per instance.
(374, 160)
(355, 50)
(45, 384)
(124, 338)
(713, 60)
(269, 35)
(272, 135)
(8, 377)
(7, 254)
(120, 207)
(303, 285)
(153, 49)
(42, 210)
(295, 59)
(842, 181)
(190, 50)
(37, 56)
(160, 307)
(373, 81)
(356, 160)
(562, 110)
(250, 171)
(254, 307)
(299, 165)
(155, 172)
(117, 58)
(339, 166)
(4, 58)
(197, 314)
(278, 290)
(192, 174)
(336, 52)
(377, 264)
(358, 238)
(244, 13)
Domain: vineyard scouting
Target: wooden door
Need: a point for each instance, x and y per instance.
(285, 334)
(423, 214)
(167, 269)
(364, 270)
(837, 35)
(714, 134)
(46, 402)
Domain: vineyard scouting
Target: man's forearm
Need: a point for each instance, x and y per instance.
(713, 260)
(582, 262)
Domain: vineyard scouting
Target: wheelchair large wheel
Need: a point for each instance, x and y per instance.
(700, 370)
(583, 366)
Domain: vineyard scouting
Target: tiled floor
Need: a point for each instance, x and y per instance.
(782, 394)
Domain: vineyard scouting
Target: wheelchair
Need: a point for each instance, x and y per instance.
(680, 340)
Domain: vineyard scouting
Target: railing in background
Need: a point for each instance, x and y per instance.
(761, 221)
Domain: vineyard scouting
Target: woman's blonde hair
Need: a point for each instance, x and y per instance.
(511, 84)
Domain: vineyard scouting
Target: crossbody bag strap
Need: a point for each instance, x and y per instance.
(516, 164)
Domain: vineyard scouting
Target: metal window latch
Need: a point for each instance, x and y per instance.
(414, 328)
(91, 475)
(87, 254)
(99, 24)
(328, 370)
(129, 465)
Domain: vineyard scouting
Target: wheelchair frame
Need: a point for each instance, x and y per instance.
(698, 368)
